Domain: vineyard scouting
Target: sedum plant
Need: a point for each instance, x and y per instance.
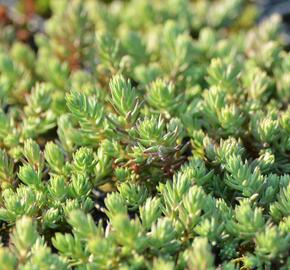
(145, 135)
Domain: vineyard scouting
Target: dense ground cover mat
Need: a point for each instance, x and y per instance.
(144, 135)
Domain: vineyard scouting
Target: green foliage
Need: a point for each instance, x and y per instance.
(145, 135)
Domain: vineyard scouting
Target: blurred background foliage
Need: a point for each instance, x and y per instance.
(28, 15)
